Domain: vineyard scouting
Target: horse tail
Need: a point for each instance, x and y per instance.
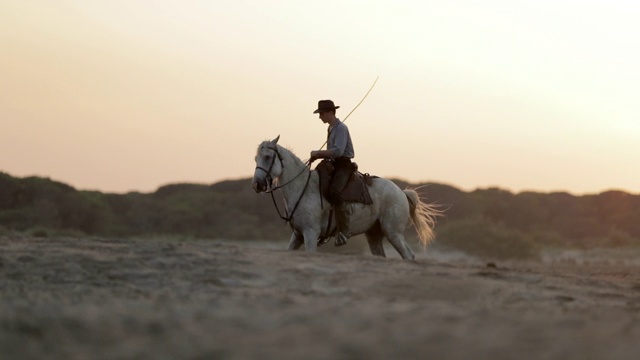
(423, 216)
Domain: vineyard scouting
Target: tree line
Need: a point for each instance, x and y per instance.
(489, 221)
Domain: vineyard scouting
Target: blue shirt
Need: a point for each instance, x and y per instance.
(339, 141)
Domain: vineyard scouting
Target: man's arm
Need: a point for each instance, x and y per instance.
(321, 154)
(341, 134)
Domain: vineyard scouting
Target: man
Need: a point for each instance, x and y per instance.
(340, 152)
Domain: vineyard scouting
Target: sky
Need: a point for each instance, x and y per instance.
(130, 95)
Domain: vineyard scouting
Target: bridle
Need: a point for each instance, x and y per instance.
(271, 190)
(268, 171)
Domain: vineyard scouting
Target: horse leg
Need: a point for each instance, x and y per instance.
(392, 222)
(374, 238)
(310, 239)
(397, 240)
(295, 242)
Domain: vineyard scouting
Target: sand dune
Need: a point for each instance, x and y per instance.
(91, 298)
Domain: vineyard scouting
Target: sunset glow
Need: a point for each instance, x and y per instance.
(131, 95)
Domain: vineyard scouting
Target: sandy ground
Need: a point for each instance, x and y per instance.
(64, 298)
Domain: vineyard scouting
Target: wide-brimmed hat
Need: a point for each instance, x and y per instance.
(325, 105)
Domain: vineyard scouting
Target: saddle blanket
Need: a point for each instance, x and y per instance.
(356, 190)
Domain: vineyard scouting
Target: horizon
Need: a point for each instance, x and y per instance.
(127, 96)
(419, 184)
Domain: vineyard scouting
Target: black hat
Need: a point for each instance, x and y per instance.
(325, 105)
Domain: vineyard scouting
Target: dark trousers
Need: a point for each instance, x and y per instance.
(343, 168)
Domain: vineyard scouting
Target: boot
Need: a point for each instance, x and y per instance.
(342, 218)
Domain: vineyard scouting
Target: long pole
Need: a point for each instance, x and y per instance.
(354, 109)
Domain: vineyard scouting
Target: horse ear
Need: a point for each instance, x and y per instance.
(275, 141)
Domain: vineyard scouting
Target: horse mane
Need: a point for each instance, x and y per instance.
(283, 150)
(292, 155)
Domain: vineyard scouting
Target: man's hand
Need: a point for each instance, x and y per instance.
(314, 156)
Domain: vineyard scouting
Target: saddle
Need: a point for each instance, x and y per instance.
(356, 189)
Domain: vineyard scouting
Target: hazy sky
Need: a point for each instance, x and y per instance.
(132, 95)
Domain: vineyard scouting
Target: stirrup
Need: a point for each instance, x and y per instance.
(341, 240)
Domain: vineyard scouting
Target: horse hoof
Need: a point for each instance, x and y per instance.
(340, 240)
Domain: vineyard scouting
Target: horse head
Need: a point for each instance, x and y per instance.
(268, 165)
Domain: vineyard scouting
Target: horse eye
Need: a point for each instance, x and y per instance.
(267, 157)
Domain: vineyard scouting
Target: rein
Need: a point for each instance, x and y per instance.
(289, 216)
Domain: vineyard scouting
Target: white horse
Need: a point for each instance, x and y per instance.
(308, 211)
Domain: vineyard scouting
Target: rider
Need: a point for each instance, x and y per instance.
(340, 152)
